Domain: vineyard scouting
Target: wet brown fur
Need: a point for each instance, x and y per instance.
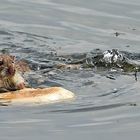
(9, 67)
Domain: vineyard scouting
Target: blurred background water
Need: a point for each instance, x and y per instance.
(105, 108)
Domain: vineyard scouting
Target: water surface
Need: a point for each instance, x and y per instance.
(105, 108)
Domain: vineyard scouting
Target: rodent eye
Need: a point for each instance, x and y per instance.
(1, 63)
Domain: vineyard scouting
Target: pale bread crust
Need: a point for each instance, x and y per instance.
(32, 95)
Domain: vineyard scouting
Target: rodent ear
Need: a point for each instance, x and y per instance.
(1, 59)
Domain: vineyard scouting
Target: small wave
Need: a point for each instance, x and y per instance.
(94, 108)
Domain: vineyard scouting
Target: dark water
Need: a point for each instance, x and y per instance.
(105, 108)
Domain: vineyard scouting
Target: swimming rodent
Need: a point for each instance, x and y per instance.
(11, 72)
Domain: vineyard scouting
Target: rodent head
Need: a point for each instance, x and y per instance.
(7, 65)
